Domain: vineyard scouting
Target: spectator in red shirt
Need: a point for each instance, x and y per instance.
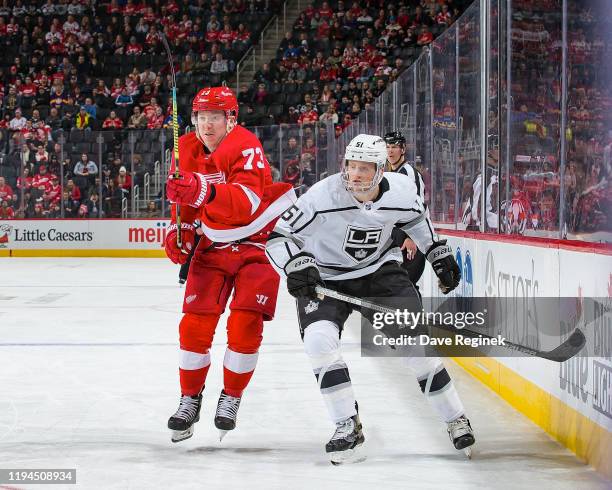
(402, 18)
(309, 115)
(53, 191)
(212, 34)
(242, 35)
(309, 11)
(82, 211)
(152, 39)
(151, 109)
(329, 73)
(73, 191)
(6, 211)
(6, 192)
(226, 36)
(112, 121)
(134, 48)
(43, 178)
(25, 182)
(124, 180)
(157, 121)
(116, 88)
(444, 17)
(130, 8)
(291, 175)
(425, 37)
(325, 12)
(113, 7)
(323, 30)
(346, 121)
(28, 89)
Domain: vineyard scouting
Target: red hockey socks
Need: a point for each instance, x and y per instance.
(196, 334)
(244, 334)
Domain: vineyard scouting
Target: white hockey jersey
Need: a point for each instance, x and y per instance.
(347, 238)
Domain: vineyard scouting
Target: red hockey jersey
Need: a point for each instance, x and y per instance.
(244, 203)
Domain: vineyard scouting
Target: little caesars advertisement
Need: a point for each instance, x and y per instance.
(107, 234)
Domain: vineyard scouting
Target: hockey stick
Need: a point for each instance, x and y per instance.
(568, 349)
(175, 136)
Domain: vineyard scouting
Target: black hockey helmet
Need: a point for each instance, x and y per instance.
(395, 138)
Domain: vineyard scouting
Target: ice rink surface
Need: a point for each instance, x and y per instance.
(89, 377)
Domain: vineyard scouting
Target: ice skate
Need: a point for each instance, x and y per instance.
(187, 414)
(345, 444)
(461, 434)
(227, 412)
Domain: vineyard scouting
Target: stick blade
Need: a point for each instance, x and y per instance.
(568, 349)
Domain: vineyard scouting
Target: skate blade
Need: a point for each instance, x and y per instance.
(468, 452)
(181, 435)
(350, 456)
(222, 434)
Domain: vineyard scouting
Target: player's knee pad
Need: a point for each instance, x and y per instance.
(244, 331)
(196, 332)
(322, 342)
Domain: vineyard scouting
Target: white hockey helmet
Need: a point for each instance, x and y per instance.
(365, 148)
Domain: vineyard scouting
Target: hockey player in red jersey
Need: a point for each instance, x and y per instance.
(225, 185)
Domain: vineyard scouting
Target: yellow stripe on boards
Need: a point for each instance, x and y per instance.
(588, 440)
(119, 253)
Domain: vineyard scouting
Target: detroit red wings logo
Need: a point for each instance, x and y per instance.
(5, 232)
(216, 178)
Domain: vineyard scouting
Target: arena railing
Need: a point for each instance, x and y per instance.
(251, 56)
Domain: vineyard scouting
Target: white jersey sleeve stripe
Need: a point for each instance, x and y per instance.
(252, 197)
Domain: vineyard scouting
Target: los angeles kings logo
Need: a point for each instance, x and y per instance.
(361, 243)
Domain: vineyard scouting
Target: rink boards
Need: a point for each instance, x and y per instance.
(83, 238)
(571, 401)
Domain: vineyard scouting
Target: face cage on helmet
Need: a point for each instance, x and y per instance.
(361, 187)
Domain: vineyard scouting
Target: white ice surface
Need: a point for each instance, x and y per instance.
(89, 377)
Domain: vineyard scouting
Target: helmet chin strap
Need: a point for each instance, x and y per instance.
(231, 124)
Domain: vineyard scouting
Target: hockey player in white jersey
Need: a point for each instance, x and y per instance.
(414, 260)
(339, 234)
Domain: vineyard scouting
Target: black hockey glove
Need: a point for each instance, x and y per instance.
(303, 276)
(440, 255)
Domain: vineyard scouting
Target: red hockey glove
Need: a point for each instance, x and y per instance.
(175, 254)
(189, 189)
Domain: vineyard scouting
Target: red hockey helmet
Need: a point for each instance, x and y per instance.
(216, 99)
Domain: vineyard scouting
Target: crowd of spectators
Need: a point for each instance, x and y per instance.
(337, 59)
(77, 186)
(536, 178)
(71, 66)
(340, 56)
